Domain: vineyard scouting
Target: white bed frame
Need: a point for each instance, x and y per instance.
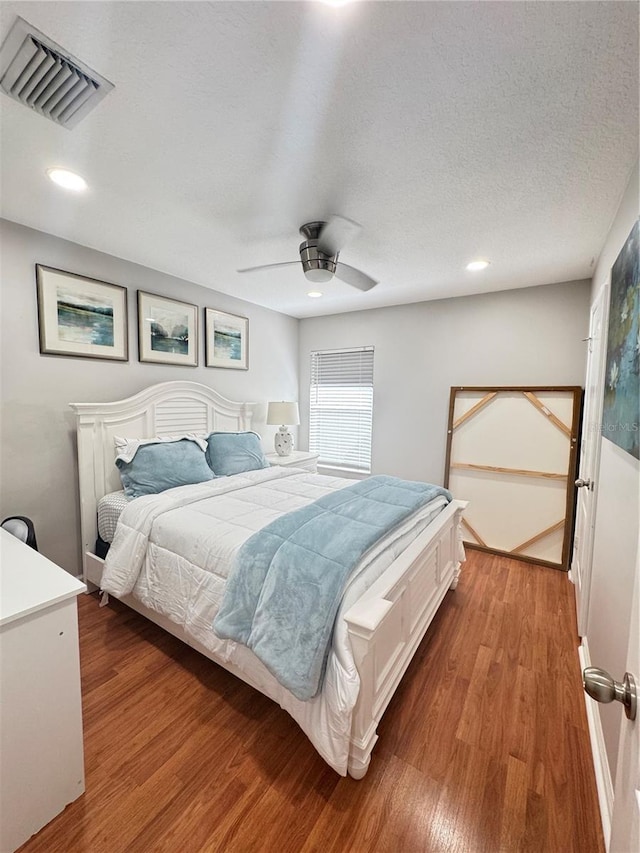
(385, 625)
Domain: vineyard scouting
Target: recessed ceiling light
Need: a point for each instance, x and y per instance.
(475, 266)
(336, 3)
(314, 294)
(68, 180)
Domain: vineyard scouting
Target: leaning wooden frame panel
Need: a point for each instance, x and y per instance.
(385, 625)
(512, 453)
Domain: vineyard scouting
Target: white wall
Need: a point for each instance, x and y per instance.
(531, 336)
(617, 520)
(37, 460)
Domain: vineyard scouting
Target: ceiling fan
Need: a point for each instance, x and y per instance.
(319, 253)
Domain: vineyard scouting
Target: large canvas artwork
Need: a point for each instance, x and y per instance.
(621, 416)
(81, 317)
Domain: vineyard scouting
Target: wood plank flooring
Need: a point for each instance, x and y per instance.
(483, 748)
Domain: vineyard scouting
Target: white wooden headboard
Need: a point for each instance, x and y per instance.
(170, 408)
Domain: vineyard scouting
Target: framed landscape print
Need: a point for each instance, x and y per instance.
(226, 340)
(80, 316)
(167, 330)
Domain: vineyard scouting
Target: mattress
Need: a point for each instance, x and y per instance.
(110, 508)
(173, 552)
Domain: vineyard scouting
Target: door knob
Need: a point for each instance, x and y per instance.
(584, 484)
(601, 687)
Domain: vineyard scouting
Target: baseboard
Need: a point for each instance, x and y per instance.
(604, 783)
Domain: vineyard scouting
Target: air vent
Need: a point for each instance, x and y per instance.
(39, 74)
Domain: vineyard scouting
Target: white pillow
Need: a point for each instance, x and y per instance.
(126, 448)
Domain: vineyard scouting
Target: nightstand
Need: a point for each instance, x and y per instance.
(42, 748)
(296, 459)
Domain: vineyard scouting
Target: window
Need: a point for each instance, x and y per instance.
(341, 408)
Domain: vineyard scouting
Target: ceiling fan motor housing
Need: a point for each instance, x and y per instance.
(317, 265)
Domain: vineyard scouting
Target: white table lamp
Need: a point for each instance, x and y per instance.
(285, 414)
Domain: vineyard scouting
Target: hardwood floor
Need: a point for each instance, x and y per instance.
(483, 748)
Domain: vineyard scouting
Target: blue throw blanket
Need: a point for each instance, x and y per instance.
(286, 586)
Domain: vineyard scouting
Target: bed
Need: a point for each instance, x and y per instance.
(382, 618)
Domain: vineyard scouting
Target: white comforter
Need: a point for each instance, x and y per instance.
(173, 552)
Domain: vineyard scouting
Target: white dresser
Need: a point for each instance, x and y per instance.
(41, 709)
(296, 459)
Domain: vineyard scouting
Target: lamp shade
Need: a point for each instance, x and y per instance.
(283, 413)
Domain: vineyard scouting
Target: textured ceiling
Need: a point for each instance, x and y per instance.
(449, 130)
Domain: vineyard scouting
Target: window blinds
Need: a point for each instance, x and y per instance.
(341, 408)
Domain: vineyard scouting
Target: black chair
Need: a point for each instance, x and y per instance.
(22, 528)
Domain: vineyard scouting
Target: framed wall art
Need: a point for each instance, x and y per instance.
(621, 414)
(80, 316)
(226, 340)
(167, 330)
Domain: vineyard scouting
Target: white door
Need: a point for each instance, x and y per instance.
(589, 456)
(625, 823)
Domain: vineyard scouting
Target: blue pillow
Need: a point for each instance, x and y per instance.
(235, 452)
(157, 467)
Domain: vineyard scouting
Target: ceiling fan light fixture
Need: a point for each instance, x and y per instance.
(318, 275)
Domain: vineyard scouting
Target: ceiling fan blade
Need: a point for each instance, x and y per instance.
(354, 277)
(336, 233)
(270, 266)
